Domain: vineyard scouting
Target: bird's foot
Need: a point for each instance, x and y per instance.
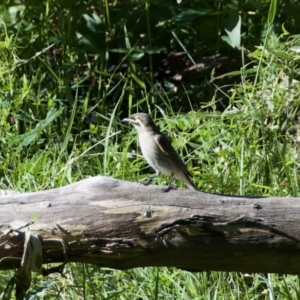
(169, 187)
(148, 181)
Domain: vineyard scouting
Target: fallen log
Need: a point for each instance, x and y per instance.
(124, 225)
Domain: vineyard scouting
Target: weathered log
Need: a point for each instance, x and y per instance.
(123, 225)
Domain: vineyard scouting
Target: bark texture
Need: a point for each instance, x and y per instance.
(123, 225)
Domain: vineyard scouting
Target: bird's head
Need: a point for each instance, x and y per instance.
(141, 121)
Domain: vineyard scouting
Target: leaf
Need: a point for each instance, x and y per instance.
(28, 137)
(272, 11)
(155, 50)
(187, 16)
(91, 33)
(284, 31)
(232, 26)
(138, 81)
(223, 152)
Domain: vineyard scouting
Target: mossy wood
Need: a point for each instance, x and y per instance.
(123, 225)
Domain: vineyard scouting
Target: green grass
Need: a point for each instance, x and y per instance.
(64, 130)
(81, 281)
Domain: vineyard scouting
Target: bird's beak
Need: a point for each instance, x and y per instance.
(134, 122)
(127, 120)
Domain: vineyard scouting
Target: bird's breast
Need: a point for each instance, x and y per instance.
(156, 158)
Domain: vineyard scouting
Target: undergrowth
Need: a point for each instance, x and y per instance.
(249, 148)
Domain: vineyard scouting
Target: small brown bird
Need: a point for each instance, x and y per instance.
(158, 151)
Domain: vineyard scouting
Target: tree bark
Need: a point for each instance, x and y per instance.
(123, 225)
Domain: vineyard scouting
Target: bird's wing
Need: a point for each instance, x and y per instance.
(166, 147)
(163, 143)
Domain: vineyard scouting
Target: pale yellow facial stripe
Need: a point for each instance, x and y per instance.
(136, 121)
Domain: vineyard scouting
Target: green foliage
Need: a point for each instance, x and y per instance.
(98, 47)
(161, 283)
(70, 69)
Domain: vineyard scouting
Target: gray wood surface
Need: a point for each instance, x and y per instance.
(123, 225)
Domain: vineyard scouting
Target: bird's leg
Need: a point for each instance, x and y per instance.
(149, 180)
(169, 187)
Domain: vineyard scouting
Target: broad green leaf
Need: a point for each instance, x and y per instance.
(232, 26)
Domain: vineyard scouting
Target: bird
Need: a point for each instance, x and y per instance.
(158, 151)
